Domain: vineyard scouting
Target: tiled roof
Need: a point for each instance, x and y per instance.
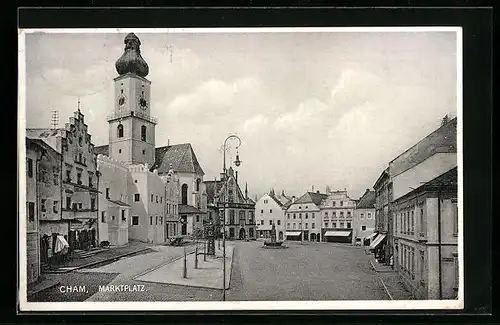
(311, 197)
(367, 201)
(102, 150)
(181, 156)
(212, 188)
(42, 144)
(188, 209)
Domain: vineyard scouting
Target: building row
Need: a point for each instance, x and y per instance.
(416, 213)
(329, 217)
(82, 197)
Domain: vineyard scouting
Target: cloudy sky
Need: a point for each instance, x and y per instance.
(312, 109)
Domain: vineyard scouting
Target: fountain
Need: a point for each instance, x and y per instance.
(273, 243)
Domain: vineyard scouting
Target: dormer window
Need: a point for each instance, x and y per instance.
(143, 133)
(80, 141)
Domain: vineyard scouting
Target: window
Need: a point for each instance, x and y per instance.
(341, 214)
(334, 225)
(137, 197)
(107, 192)
(157, 199)
(54, 206)
(326, 214)
(288, 215)
(422, 223)
(361, 216)
(143, 133)
(261, 211)
(198, 182)
(161, 199)
(143, 151)
(422, 264)
(265, 201)
(369, 215)
(363, 228)
(455, 217)
(300, 216)
(43, 207)
(113, 218)
(29, 167)
(184, 190)
(80, 206)
(270, 222)
(313, 225)
(197, 218)
(120, 130)
(326, 224)
(288, 225)
(123, 216)
(156, 220)
(333, 203)
(348, 225)
(270, 210)
(31, 211)
(119, 150)
(150, 220)
(56, 176)
(348, 214)
(135, 220)
(306, 215)
(92, 204)
(79, 178)
(103, 216)
(294, 225)
(294, 216)
(161, 220)
(312, 215)
(68, 175)
(412, 222)
(68, 202)
(306, 225)
(341, 225)
(341, 203)
(279, 222)
(262, 222)
(231, 217)
(334, 214)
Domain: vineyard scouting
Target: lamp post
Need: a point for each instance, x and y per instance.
(237, 162)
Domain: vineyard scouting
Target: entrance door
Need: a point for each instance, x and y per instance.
(250, 232)
(242, 233)
(280, 235)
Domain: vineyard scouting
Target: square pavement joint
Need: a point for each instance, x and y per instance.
(209, 273)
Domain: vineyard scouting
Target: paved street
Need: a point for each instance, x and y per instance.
(313, 271)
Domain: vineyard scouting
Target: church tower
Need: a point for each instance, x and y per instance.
(131, 126)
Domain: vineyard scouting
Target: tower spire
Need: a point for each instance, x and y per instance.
(131, 60)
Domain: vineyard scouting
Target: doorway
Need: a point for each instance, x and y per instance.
(242, 233)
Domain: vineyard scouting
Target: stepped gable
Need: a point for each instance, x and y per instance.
(181, 156)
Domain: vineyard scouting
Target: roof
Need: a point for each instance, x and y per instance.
(281, 200)
(188, 209)
(118, 202)
(181, 156)
(311, 197)
(212, 188)
(42, 144)
(102, 150)
(367, 201)
(445, 181)
(383, 175)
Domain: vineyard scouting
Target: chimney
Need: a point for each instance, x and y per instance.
(293, 198)
(317, 192)
(282, 192)
(168, 142)
(444, 120)
(312, 188)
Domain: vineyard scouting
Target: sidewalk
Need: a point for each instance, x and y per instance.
(208, 274)
(390, 280)
(133, 247)
(46, 281)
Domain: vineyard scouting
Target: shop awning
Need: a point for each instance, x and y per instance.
(377, 241)
(292, 233)
(337, 233)
(371, 236)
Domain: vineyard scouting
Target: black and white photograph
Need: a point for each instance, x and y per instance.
(240, 168)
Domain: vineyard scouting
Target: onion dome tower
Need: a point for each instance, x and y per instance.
(132, 128)
(131, 60)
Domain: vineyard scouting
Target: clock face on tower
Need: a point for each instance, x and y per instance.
(143, 103)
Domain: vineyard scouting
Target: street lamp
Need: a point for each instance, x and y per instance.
(237, 162)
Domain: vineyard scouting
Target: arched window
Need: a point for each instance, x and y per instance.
(120, 130)
(184, 195)
(143, 133)
(198, 181)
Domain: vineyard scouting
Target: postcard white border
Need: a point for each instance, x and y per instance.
(26, 306)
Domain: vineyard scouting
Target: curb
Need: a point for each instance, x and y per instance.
(158, 266)
(385, 288)
(97, 262)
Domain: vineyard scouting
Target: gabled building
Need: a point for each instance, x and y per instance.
(271, 209)
(337, 212)
(303, 217)
(225, 196)
(364, 219)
